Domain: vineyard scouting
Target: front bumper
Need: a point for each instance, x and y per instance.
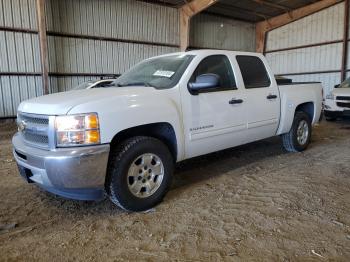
(332, 110)
(336, 114)
(77, 172)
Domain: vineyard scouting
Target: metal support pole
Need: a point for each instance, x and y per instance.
(345, 41)
(41, 17)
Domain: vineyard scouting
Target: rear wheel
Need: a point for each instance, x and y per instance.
(139, 173)
(298, 138)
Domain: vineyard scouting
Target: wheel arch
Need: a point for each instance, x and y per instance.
(163, 131)
(288, 112)
(308, 108)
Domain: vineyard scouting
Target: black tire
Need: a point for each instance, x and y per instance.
(120, 160)
(330, 119)
(290, 140)
(321, 117)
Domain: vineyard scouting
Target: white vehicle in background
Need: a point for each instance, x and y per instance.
(123, 140)
(95, 83)
(337, 103)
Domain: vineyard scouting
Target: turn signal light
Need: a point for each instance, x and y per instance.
(92, 137)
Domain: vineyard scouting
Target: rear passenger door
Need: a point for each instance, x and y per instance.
(261, 98)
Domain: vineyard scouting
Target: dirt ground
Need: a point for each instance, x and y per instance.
(254, 202)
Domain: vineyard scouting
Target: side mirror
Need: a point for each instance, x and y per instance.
(336, 86)
(204, 82)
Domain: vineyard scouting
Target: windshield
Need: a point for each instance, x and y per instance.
(345, 84)
(161, 72)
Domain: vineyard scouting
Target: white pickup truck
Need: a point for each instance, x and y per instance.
(124, 139)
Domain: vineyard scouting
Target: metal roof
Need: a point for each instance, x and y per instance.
(246, 10)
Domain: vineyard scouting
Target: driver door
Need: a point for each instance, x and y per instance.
(213, 119)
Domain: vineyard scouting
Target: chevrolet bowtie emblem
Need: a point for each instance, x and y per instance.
(22, 126)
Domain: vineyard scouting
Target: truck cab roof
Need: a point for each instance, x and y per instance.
(205, 52)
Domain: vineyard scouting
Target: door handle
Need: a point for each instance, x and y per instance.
(271, 97)
(235, 101)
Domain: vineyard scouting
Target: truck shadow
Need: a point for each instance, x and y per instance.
(344, 122)
(215, 164)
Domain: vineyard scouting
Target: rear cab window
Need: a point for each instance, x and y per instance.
(253, 71)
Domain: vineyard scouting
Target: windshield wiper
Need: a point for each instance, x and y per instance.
(136, 84)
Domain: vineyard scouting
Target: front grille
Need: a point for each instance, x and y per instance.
(346, 98)
(35, 138)
(341, 104)
(34, 129)
(35, 120)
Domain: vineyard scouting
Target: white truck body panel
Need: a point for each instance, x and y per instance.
(237, 124)
(291, 98)
(139, 106)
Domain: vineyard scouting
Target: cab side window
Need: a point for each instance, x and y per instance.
(219, 65)
(253, 71)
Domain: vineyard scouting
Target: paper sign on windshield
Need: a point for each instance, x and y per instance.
(164, 73)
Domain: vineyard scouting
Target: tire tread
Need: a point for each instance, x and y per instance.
(287, 139)
(117, 155)
(115, 158)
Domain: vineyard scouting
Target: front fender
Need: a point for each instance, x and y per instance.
(119, 113)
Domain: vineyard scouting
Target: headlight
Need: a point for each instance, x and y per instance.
(330, 96)
(75, 130)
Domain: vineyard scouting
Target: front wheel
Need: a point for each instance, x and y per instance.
(139, 173)
(298, 138)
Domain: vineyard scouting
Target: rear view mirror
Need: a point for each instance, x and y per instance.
(204, 82)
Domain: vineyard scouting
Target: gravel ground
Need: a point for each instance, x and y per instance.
(255, 202)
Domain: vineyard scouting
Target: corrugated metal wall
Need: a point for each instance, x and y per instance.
(309, 49)
(208, 31)
(105, 37)
(86, 39)
(90, 38)
(18, 54)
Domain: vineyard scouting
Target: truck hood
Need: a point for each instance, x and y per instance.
(341, 92)
(62, 103)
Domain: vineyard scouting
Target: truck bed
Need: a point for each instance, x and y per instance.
(290, 98)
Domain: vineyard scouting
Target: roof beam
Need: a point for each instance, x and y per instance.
(196, 6)
(187, 11)
(263, 27)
